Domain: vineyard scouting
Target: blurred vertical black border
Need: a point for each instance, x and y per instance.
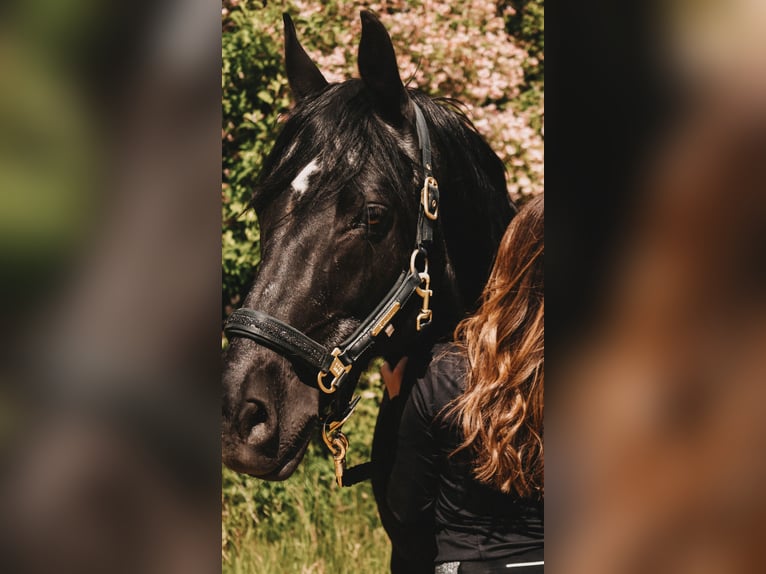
(604, 102)
(110, 118)
(655, 147)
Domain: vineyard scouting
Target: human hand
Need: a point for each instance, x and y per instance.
(393, 379)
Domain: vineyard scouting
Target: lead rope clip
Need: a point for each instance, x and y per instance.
(340, 444)
(336, 441)
(426, 314)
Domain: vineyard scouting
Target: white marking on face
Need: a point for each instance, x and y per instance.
(301, 182)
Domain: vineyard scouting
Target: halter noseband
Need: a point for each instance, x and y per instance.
(338, 362)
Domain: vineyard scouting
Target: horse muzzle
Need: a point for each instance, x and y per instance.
(263, 434)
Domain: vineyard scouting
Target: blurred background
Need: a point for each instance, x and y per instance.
(110, 263)
(656, 196)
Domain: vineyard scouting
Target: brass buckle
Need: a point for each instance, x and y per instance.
(337, 369)
(430, 205)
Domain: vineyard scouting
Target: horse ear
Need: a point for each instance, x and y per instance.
(377, 66)
(304, 77)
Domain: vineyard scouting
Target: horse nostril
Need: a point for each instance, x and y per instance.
(253, 421)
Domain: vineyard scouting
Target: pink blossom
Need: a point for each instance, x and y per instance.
(460, 50)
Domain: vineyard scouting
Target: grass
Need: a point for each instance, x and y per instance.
(307, 524)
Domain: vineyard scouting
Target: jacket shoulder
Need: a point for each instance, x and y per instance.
(444, 378)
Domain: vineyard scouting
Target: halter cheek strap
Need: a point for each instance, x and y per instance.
(429, 194)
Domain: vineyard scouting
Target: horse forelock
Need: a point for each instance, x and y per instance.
(334, 143)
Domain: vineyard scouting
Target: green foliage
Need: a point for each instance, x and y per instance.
(526, 23)
(254, 94)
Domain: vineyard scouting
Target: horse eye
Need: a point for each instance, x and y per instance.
(375, 214)
(377, 219)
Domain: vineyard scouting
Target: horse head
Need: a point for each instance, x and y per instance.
(340, 208)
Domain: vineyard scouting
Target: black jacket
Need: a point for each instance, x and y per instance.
(428, 487)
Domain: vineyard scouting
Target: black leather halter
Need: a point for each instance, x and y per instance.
(335, 364)
(338, 362)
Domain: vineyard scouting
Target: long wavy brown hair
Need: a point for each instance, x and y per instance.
(501, 411)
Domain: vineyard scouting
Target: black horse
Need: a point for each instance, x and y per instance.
(339, 205)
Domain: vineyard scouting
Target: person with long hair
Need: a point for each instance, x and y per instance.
(470, 443)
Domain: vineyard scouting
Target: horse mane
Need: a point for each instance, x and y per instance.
(339, 125)
(475, 205)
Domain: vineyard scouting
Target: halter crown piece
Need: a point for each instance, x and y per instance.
(333, 366)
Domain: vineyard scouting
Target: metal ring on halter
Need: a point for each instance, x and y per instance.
(414, 256)
(337, 368)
